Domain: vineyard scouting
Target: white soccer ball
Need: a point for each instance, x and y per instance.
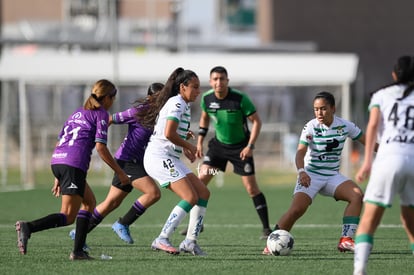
(280, 242)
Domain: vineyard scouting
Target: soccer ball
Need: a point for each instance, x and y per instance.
(280, 242)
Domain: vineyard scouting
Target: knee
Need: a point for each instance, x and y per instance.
(155, 195)
(357, 197)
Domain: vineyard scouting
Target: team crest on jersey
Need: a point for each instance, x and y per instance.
(214, 105)
(340, 130)
(173, 173)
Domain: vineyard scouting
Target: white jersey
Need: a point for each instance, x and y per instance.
(325, 144)
(392, 171)
(174, 109)
(397, 133)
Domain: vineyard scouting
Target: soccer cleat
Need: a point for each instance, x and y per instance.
(184, 231)
(346, 244)
(23, 234)
(123, 232)
(266, 251)
(192, 247)
(83, 255)
(266, 233)
(164, 245)
(72, 235)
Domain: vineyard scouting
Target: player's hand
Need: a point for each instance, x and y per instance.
(190, 134)
(124, 178)
(199, 152)
(56, 188)
(304, 179)
(363, 172)
(191, 153)
(246, 152)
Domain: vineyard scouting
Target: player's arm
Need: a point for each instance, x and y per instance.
(110, 161)
(171, 134)
(303, 177)
(362, 140)
(370, 144)
(202, 132)
(256, 126)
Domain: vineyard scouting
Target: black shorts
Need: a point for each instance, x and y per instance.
(134, 169)
(219, 154)
(72, 180)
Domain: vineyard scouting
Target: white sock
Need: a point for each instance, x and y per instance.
(197, 214)
(361, 254)
(175, 218)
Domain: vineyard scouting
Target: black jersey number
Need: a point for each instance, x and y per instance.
(409, 116)
(168, 164)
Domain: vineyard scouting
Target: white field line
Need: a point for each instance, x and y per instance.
(231, 225)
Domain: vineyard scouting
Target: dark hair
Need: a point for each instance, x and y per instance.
(219, 69)
(327, 96)
(156, 101)
(403, 69)
(154, 87)
(404, 72)
(408, 65)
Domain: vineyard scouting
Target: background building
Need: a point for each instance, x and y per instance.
(111, 38)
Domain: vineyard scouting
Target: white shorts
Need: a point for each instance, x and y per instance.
(391, 175)
(165, 169)
(324, 185)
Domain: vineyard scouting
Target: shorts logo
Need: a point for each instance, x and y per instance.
(248, 168)
(173, 173)
(72, 186)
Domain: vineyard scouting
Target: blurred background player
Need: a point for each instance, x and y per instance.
(83, 131)
(391, 117)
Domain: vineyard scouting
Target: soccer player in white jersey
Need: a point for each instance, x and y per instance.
(391, 108)
(318, 159)
(171, 110)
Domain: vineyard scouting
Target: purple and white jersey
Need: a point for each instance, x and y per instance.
(78, 137)
(133, 146)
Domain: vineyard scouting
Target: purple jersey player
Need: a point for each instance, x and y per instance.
(129, 156)
(83, 131)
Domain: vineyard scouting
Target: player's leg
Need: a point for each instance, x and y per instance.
(197, 214)
(300, 203)
(205, 173)
(189, 198)
(88, 205)
(365, 235)
(151, 194)
(259, 202)
(407, 219)
(350, 192)
(298, 207)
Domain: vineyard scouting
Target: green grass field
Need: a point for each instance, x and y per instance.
(231, 237)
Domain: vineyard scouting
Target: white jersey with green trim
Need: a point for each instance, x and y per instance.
(397, 120)
(174, 109)
(325, 144)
